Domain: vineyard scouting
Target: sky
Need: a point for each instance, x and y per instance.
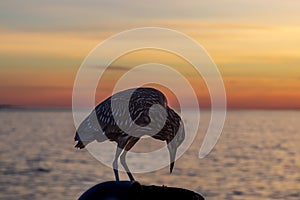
(255, 44)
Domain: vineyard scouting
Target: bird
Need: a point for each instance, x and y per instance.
(103, 123)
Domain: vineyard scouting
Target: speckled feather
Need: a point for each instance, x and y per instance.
(140, 102)
(101, 125)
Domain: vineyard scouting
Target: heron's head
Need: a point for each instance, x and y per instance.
(87, 131)
(176, 141)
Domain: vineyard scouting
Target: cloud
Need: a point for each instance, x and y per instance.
(32, 15)
(112, 68)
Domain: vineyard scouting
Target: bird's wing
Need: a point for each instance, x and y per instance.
(128, 107)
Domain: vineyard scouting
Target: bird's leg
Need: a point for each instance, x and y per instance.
(123, 162)
(128, 146)
(115, 163)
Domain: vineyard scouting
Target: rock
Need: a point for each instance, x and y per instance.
(127, 190)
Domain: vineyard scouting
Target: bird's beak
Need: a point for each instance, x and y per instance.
(172, 152)
(171, 167)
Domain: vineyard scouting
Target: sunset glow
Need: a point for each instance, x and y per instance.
(255, 44)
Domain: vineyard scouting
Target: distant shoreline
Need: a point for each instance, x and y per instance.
(7, 107)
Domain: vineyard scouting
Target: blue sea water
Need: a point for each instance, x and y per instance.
(256, 157)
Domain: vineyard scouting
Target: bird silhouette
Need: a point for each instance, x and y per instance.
(127, 116)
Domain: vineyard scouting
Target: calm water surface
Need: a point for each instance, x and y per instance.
(257, 157)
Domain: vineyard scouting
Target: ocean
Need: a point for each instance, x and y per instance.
(256, 157)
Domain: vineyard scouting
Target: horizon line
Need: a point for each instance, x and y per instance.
(22, 107)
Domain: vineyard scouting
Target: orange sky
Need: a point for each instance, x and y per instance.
(256, 46)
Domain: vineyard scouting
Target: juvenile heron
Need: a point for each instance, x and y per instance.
(108, 119)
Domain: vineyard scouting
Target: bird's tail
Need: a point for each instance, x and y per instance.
(79, 144)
